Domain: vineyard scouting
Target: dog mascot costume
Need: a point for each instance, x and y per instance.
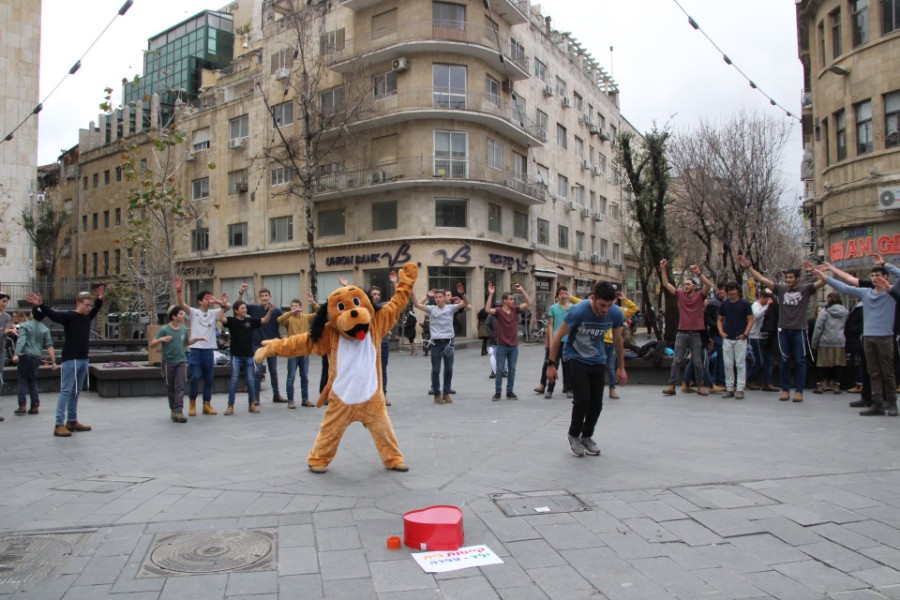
(348, 329)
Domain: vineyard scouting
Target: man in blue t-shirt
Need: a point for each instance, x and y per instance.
(586, 323)
(734, 322)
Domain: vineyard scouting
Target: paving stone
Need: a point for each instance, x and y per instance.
(781, 587)
(400, 576)
(725, 523)
(337, 538)
(846, 499)
(729, 584)
(349, 589)
(87, 592)
(562, 582)
(528, 592)
(883, 554)
(658, 510)
(629, 585)
(465, 588)
(734, 559)
(838, 557)
(629, 545)
(531, 554)
(856, 595)
(672, 576)
(298, 560)
(844, 536)
(878, 532)
(767, 548)
(820, 577)
(693, 533)
(196, 587)
(343, 564)
(100, 570)
(788, 531)
(878, 576)
(799, 514)
(689, 558)
(333, 518)
(598, 521)
(568, 535)
(308, 587)
(261, 582)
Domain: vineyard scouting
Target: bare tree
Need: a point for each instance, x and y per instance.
(727, 191)
(310, 146)
(50, 233)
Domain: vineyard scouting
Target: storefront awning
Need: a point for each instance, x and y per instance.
(545, 272)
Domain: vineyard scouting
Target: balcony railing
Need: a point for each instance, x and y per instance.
(430, 32)
(413, 170)
(805, 98)
(478, 104)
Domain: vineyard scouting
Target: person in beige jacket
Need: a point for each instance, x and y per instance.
(296, 321)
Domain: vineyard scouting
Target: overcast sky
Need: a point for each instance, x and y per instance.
(667, 72)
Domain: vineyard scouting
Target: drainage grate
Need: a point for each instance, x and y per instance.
(33, 557)
(545, 502)
(103, 484)
(217, 552)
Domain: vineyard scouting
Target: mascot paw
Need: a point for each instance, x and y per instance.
(402, 467)
(409, 273)
(317, 469)
(260, 355)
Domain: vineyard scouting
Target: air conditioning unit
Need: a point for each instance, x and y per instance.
(571, 207)
(595, 130)
(603, 134)
(596, 170)
(579, 256)
(507, 86)
(41, 198)
(585, 120)
(598, 216)
(566, 103)
(237, 142)
(620, 267)
(400, 64)
(282, 73)
(585, 165)
(595, 258)
(608, 262)
(240, 186)
(888, 198)
(190, 156)
(379, 177)
(585, 213)
(548, 90)
(542, 135)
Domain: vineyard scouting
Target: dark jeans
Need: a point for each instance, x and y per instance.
(880, 361)
(588, 382)
(442, 350)
(27, 369)
(792, 343)
(762, 359)
(690, 375)
(717, 364)
(565, 374)
(174, 373)
(684, 341)
(201, 362)
(385, 354)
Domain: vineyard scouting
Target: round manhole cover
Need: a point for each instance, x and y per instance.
(213, 552)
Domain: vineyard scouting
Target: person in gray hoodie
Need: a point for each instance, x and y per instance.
(828, 341)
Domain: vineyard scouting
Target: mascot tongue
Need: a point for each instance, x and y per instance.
(360, 334)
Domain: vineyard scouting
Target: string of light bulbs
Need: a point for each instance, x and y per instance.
(74, 69)
(693, 23)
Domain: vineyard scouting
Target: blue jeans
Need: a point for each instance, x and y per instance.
(298, 363)
(201, 362)
(507, 357)
(762, 359)
(718, 363)
(247, 363)
(689, 375)
(27, 369)
(792, 343)
(442, 351)
(260, 369)
(74, 372)
(610, 364)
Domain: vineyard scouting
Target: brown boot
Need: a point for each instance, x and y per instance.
(438, 399)
(687, 389)
(229, 410)
(292, 404)
(61, 431)
(703, 391)
(539, 389)
(448, 399)
(192, 408)
(208, 409)
(254, 409)
(76, 426)
(669, 390)
(306, 403)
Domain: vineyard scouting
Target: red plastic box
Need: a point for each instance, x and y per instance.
(434, 528)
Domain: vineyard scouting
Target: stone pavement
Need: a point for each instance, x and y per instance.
(692, 498)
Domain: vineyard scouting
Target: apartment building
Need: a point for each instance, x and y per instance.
(480, 145)
(850, 52)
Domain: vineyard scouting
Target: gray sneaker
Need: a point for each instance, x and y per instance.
(548, 394)
(590, 447)
(576, 446)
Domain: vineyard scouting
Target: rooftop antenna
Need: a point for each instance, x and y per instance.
(611, 61)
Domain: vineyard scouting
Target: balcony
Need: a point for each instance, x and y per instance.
(513, 12)
(415, 37)
(499, 113)
(428, 170)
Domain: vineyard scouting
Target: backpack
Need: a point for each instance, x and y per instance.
(770, 320)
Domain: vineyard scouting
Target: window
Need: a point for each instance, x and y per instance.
(578, 101)
(543, 231)
(84, 263)
(516, 50)
(106, 262)
(542, 122)
(561, 137)
(118, 173)
(821, 32)
(892, 120)
(384, 24)
(520, 225)
(562, 186)
(520, 166)
(563, 233)
(614, 211)
(579, 147)
(384, 85)
(495, 215)
(237, 235)
(283, 59)
(494, 154)
(492, 87)
(84, 223)
(450, 154)
(859, 20)
(384, 215)
(560, 87)
(331, 100)
(603, 203)
(331, 222)
(579, 194)
(282, 114)
(106, 219)
(864, 127)
(84, 182)
(331, 41)
(579, 241)
(540, 70)
(450, 213)
(449, 86)
(826, 142)
(840, 132)
(118, 216)
(200, 188)
(118, 261)
(616, 251)
(239, 128)
(106, 177)
(604, 247)
(448, 16)
(593, 195)
(95, 220)
(890, 16)
(237, 181)
(94, 263)
(200, 239)
(281, 229)
(96, 179)
(836, 48)
(281, 175)
(601, 162)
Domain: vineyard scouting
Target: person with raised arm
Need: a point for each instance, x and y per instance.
(242, 327)
(296, 321)
(442, 337)
(507, 351)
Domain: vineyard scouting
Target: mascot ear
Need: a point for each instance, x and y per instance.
(319, 323)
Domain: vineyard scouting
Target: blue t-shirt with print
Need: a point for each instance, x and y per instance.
(586, 331)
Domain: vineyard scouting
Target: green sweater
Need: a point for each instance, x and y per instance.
(34, 338)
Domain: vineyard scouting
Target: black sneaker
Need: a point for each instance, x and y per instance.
(492, 376)
(511, 396)
(590, 447)
(496, 397)
(576, 446)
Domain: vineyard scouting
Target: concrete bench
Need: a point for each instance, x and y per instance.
(144, 379)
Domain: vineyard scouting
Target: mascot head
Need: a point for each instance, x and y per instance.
(348, 310)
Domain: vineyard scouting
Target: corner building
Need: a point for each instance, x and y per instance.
(851, 129)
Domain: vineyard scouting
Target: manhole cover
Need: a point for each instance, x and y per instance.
(25, 558)
(544, 502)
(102, 484)
(201, 552)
